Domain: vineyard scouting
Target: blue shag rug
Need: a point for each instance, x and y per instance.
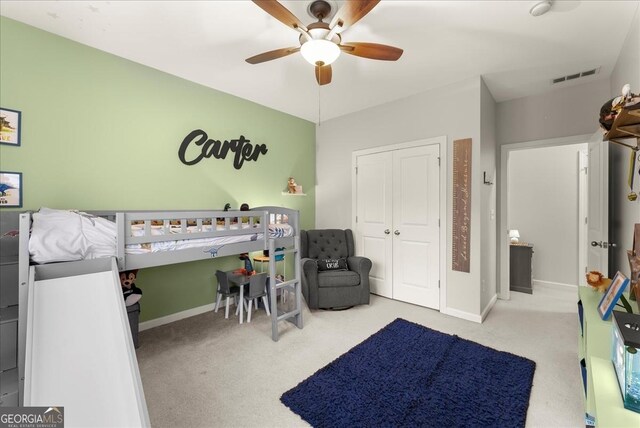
(407, 375)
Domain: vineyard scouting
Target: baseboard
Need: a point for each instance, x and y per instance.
(462, 314)
(551, 284)
(156, 322)
(486, 311)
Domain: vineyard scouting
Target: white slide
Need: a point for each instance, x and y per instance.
(79, 350)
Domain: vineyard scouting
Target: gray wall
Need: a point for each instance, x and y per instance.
(543, 207)
(453, 111)
(569, 111)
(625, 212)
(488, 196)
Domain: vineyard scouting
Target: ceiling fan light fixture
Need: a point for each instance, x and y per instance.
(320, 51)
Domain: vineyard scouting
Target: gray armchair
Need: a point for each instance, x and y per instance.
(333, 288)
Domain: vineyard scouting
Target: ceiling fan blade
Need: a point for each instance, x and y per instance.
(281, 13)
(268, 56)
(323, 74)
(352, 12)
(372, 51)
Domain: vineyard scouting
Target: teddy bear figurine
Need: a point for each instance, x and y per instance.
(130, 292)
(291, 185)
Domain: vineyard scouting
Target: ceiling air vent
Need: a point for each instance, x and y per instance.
(575, 76)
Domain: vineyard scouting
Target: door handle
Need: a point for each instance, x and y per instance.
(396, 232)
(387, 231)
(603, 244)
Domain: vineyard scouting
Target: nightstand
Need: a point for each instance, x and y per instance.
(520, 268)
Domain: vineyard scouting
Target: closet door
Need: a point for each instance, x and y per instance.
(373, 230)
(416, 236)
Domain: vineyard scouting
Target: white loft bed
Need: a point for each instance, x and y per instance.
(133, 240)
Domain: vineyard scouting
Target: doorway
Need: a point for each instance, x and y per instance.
(398, 212)
(549, 241)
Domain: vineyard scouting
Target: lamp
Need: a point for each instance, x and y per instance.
(320, 52)
(514, 235)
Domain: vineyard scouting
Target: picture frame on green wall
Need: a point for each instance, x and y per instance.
(10, 126)
(10, 189)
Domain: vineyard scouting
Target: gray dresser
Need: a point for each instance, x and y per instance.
(521, 268)
(9, 309)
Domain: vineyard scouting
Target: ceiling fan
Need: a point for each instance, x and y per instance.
(321, 43)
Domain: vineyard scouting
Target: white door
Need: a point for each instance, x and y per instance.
(598, 203)
(397, 222)
(416, 232)
(373, 232)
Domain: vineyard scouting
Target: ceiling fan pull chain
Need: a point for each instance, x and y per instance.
(319, 91)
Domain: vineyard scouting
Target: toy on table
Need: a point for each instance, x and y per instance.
(130, 292)
(597, 280)
(248, 266)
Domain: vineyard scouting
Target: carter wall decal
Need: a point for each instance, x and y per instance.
(243, 149)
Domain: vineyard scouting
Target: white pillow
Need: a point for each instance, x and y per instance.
(56, 236)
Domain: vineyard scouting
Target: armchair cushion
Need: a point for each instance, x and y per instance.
(338, 278)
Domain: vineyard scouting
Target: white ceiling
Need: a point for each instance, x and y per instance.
(444, 42)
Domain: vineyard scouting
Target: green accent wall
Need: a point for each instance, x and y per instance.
(100, 132)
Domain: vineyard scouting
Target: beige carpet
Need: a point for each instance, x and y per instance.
(206, 371)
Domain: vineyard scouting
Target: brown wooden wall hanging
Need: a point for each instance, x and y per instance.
(461, 204)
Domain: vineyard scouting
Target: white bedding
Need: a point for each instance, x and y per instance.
(183, 244)
(58, 235)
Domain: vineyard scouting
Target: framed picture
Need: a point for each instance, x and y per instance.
(612, 295)
(10, 126)
(10, 189)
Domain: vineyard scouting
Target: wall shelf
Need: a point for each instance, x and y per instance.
(626, 125)
(293, 194)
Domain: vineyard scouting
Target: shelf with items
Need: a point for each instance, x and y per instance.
(603, 400)
(626, 125)
(293, 194)
(262, 259)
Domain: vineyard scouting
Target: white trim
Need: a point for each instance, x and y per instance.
(462, 314)
(583, 187)
(157, 322)
(444, 166)
(551, 284)
(397, 146)
(492, 302)
(503, 240)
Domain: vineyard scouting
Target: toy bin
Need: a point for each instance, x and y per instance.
(133, 312)
(625, 354)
